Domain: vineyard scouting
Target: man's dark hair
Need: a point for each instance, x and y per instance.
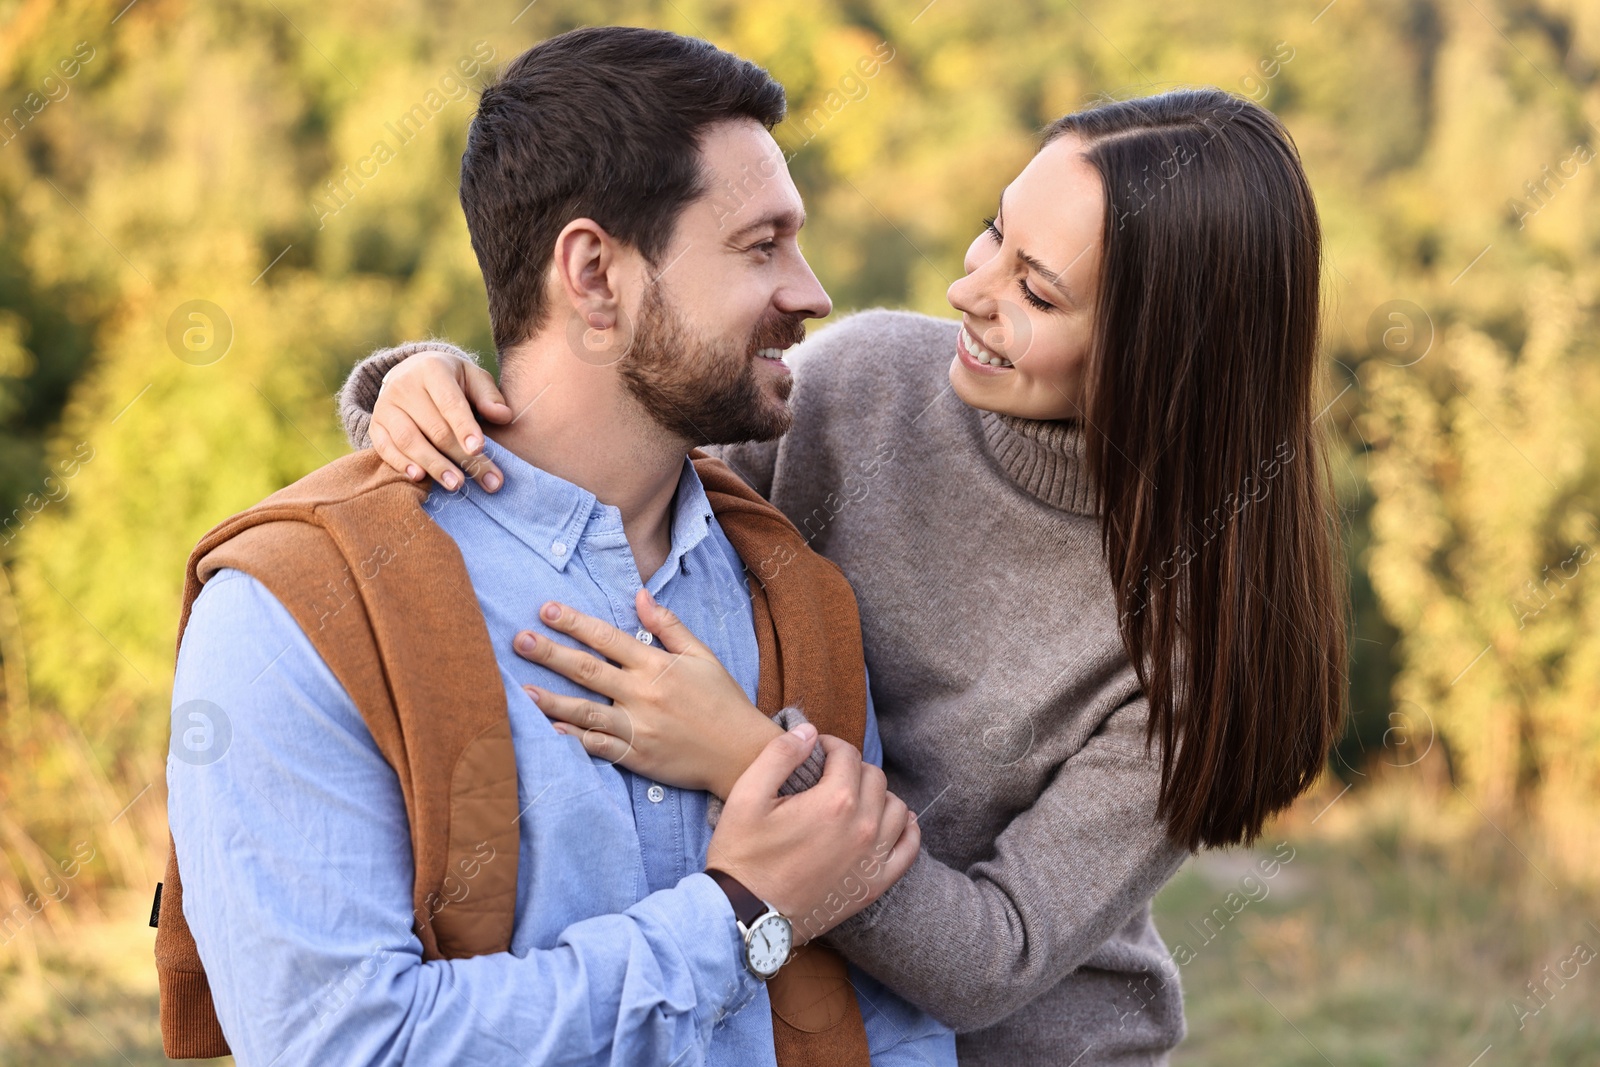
(602, 123)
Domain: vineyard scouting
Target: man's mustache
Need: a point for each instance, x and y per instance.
(782, 330)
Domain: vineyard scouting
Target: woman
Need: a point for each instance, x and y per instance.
(1093, 537)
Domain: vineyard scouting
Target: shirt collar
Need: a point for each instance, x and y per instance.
(691, 521)
(550, 515)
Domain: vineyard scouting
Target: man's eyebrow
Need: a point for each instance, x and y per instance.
(782, 221)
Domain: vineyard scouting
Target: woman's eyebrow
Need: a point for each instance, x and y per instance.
(1051, 276)
(1054, 277)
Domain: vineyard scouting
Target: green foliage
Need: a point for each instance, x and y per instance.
(1484, 538)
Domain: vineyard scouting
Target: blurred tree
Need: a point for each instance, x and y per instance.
(229, 153)
(1485, 541)
(1483, 474)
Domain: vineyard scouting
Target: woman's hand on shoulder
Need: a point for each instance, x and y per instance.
(423, 423)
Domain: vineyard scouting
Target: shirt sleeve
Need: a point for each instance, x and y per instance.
(359, 394)
(871, 743)
(292, 836)
(972, 946)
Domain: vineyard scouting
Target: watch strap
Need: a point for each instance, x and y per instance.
(747, 907)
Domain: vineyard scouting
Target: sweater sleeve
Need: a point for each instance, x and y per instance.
(972, 946)
(803, 777)
(754, 461)
(359, 394)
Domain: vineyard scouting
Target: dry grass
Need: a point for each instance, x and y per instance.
(1406, 930)
(1403, 931)
(83, 995)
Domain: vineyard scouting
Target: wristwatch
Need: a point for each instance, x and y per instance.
(768, 936)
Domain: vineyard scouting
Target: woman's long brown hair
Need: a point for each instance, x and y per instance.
(1218, 517)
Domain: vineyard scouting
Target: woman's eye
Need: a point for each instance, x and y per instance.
(992, 229)
(1028, 295)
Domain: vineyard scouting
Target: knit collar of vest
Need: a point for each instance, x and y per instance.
(1045, 458)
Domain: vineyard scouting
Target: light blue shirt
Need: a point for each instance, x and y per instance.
(296, 854)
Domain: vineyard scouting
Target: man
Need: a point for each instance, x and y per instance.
(635, 318)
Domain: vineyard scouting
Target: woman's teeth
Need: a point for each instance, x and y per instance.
(982, 354)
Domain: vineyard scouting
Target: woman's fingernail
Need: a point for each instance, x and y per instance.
(551, 612)
(491, 482)
(451, 479)
(805, 732)
(472, 442)
(533, 693)
(413, 472)
(526, 642)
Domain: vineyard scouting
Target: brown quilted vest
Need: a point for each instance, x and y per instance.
(370, 578)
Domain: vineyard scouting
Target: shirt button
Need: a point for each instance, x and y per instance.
(645, 635)
(656, 794)
(559, 548)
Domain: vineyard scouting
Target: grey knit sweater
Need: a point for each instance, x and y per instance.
(1011, 718)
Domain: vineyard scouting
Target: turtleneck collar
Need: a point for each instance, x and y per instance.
(1045, 458)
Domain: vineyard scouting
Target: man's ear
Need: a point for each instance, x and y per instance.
(586, 266)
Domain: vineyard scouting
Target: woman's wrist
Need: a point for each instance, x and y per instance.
(753, 735)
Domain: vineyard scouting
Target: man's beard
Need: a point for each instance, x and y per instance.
(707, 392)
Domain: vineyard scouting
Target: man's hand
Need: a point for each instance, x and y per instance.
(822, 855)
(424, 414)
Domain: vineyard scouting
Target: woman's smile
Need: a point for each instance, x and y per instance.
(977, 358)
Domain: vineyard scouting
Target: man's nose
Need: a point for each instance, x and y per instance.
(804, 294)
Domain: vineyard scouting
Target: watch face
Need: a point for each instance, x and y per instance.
(769, 945)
